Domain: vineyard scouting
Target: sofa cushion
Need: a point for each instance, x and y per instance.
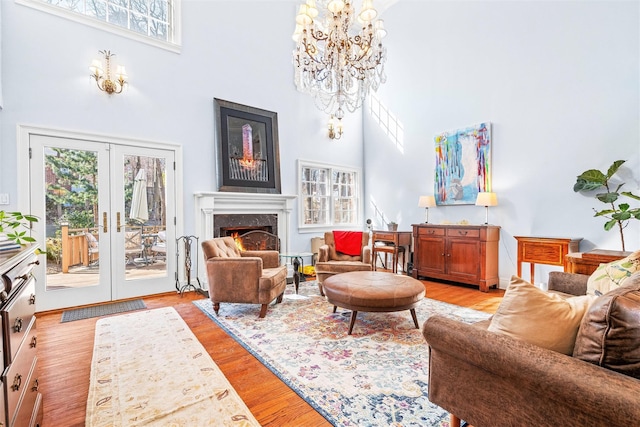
(612, 275)
(609, 335)
(540, 318)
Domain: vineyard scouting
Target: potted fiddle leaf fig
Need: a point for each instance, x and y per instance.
(14, 225)
(618, 212)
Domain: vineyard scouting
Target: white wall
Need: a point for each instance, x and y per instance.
(237, 51)
(558, 80)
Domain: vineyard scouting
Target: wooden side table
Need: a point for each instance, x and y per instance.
(545, 250)
(587, 262)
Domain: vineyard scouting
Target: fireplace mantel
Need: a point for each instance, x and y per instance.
(210, 203)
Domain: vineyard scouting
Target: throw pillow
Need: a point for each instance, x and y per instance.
(540, 318)
(612, 275)
(609, 335)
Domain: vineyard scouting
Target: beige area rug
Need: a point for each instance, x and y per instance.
(148, 369)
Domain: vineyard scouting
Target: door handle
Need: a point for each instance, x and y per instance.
(118, 222)
(104, 222)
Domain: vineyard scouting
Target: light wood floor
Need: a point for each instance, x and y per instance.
(65, 351)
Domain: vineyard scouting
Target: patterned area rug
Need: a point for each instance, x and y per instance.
(375, 377)
(148, 369)
(102, 310)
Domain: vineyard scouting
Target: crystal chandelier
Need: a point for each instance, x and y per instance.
(335, 63)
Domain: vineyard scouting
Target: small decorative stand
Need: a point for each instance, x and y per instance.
(187, 241)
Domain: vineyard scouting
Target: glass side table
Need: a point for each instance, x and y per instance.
(297, 260)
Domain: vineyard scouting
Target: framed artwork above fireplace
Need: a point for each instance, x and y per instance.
(246, 148)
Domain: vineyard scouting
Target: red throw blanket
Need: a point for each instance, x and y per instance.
(348, 242)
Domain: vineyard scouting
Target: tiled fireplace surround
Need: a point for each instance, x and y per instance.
(210, 204)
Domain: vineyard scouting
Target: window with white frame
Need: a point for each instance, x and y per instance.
(329, 195)
(153, 19)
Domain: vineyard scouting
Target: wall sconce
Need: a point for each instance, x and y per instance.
(426, 202)
(335, 131)
(105, 83)
(486, 200)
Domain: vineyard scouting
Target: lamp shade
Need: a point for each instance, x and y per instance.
(426, 202)
(487, 199)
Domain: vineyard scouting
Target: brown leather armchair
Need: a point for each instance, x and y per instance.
(331, 262)
(252, 277)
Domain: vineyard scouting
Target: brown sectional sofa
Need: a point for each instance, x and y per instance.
(489, 379)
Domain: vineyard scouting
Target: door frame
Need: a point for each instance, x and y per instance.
(24, 133)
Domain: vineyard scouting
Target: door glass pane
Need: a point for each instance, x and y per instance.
(71, 218)
(145, 220)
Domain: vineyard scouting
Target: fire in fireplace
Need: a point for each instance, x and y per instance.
(251, 231)
(256, 240)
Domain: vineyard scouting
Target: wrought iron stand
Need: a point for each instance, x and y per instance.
(187, 240)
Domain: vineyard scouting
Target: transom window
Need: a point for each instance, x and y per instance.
(329, 195)
(155, 19)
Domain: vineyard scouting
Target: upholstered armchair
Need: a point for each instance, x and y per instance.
(251, 277)
(332, 261)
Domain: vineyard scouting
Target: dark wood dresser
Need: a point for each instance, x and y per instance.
(459, 253)
(21, 403)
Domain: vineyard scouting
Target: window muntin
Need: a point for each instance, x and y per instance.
(154, 20)
(329, 195)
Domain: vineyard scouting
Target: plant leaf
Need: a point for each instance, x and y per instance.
(582, 185)
(621, 216)
(604, 212)
(614, 168)
(607, 197)
(593, 176)
(630, 194)
(609, 224)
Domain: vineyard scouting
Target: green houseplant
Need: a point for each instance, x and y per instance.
(618, 212)
(12, 225)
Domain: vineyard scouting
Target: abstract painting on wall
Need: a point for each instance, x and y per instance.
(463, 164)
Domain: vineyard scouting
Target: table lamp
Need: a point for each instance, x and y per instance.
(487, 199)
(426, 202)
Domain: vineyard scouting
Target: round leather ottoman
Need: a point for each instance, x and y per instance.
(373, 291)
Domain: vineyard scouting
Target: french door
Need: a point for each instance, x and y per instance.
(107, 219)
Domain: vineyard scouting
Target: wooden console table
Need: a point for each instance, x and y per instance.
(587, 262)
(394, 240)
(545, 250)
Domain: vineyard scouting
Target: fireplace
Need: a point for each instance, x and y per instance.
(227, 224)
(213, 208)
(251, 231)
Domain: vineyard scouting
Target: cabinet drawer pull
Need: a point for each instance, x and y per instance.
(35, 385)
(431, 231)
(17, 325)
(22, 277)
(36, 262)
(462, 233)
(17, 382)
(32, 299)
(34, 342)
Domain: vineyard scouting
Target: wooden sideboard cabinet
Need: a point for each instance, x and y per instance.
(459, 253)
(22, 401)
